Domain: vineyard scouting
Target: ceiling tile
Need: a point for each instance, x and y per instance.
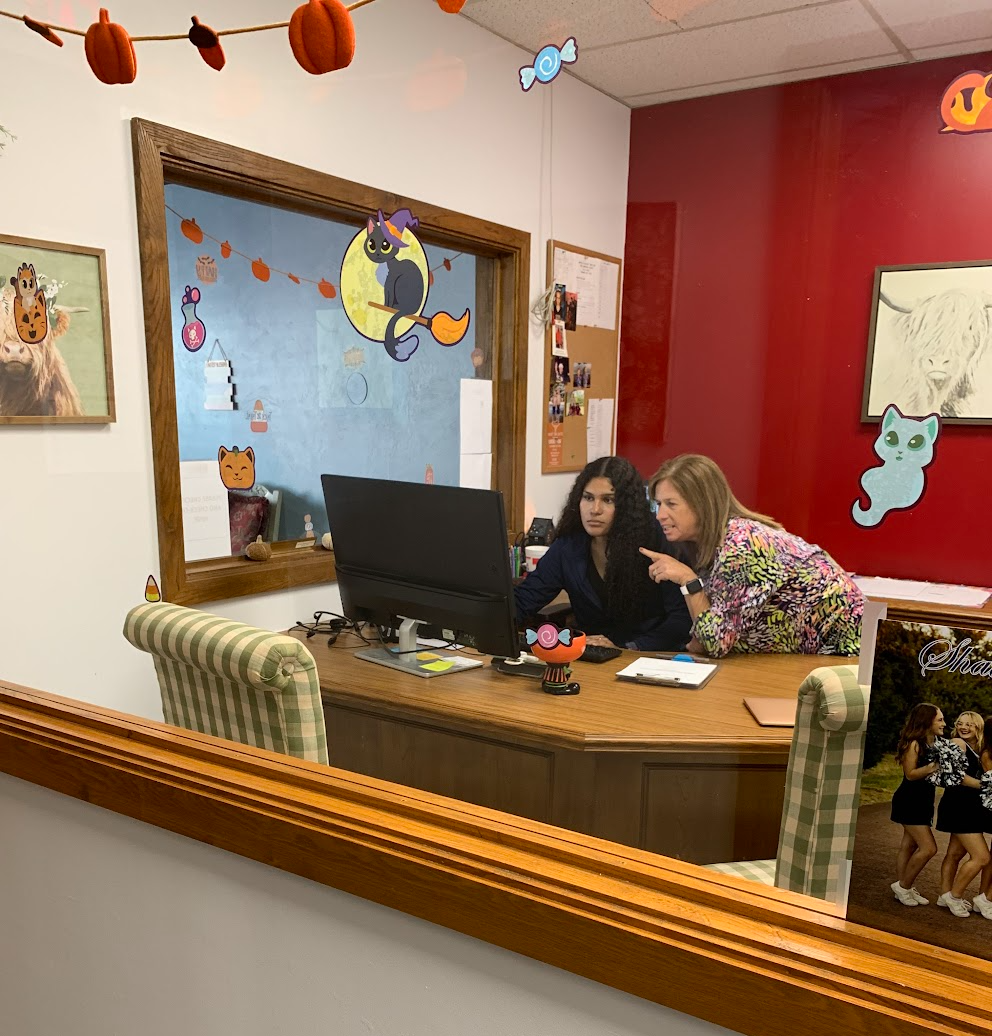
(950, 50)
(707, 89)
(691, 14)
(532, 23)
(797, 39)
(923, 23)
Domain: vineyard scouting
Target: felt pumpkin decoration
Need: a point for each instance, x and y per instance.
(207, 42)
(260, 270)
(293, 278)
(110, 52)
(259, 550)
(42, 30)
(326, 289)
(225, 250)
(192, 231)
(451, 6)
(322, 36)
(447, 264)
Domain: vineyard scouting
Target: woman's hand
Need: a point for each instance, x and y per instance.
(930, 768)
(664, 566)
(598, 640)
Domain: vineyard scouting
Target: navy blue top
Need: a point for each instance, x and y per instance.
(664, 625)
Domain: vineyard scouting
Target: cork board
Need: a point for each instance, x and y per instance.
(581, 354)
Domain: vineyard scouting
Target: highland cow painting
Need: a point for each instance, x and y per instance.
(55, 359)
(930, 347)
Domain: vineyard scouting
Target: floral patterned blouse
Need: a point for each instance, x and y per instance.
(770, 591)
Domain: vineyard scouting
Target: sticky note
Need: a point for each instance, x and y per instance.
(440, 666)
(425, 656)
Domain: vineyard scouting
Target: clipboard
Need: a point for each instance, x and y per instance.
(665, 672)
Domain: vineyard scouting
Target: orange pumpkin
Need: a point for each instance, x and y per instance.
(322, 36)
(207, 42)
(260, 270)
(326, 289)
(192, 231)
(110, 52)
(225, 250)
(451, 6)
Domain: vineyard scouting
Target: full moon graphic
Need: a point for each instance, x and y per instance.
(360, 286)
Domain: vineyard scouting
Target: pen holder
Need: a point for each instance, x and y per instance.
(557, 649)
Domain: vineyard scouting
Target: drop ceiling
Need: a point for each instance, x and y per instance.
(650, 51)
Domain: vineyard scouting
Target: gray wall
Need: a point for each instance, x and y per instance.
(110, 927)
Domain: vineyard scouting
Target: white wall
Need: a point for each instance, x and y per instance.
(77, 521)
(113, 926)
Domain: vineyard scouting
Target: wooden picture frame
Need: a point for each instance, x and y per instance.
(166, 155)
(929, 340)
(56, 364)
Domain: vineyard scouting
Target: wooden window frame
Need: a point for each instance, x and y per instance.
(166, 155)
(750, 958)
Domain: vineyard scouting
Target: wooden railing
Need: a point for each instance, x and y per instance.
(736, 954)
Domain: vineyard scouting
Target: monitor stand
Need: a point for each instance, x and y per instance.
(404, 656)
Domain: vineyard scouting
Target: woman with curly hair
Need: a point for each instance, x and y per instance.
(595, 559)
(750, 585)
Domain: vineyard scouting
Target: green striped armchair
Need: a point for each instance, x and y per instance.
(822, 784)
(233, 681)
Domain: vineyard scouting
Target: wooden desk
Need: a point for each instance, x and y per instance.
(688, 774)
(939, 614)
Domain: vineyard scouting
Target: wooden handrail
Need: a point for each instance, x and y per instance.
(753, 959)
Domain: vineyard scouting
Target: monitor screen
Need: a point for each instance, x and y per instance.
(428, 552)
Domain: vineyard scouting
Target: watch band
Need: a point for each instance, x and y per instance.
(694, 586)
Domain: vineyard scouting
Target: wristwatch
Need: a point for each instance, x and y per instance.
(694, 586)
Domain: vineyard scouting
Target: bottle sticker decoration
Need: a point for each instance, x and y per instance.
(152, 593)
(905, 446)
(206, 269)
(308, 528)
(30, 312)
(557, 648)
(237, 467)
(218, 376)
(429, 475)
(194, 333)
(548, 63)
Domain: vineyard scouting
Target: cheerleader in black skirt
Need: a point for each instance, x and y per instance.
(960, 814)
(982, 902)
(912, 803)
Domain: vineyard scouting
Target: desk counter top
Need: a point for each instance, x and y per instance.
(608, 714)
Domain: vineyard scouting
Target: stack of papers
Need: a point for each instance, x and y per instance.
(931, 593)
(668, 673)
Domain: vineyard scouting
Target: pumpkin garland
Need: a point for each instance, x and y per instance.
(321, 36)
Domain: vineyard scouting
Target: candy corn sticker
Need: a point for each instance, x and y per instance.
(152, 594)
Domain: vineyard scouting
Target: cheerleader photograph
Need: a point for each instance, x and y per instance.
(921, 864)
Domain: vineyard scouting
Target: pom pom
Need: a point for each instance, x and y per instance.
(951, 764)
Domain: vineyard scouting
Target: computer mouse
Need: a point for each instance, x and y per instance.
(682, 658)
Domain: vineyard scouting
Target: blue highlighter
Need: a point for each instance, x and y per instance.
(683, 658)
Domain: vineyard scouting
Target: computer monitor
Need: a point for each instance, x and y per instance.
(422, 553)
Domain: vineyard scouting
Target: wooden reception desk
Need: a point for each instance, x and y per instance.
(687, 774)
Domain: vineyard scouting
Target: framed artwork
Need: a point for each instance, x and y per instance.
(55, 358)
(930, 343)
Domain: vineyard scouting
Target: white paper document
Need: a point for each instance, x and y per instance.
(206, 522)
(668, 672)
(564, 268)
(476, 416)
(599, 428)
(930, 593)
(475, 471)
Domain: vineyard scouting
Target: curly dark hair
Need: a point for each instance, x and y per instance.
(627, 578)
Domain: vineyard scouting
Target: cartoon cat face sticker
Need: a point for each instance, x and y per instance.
(237, 467)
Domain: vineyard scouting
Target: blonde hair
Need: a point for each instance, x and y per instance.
(704, 487)
(976, 721)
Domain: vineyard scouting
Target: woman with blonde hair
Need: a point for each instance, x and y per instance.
(960, 815)
(750, 585)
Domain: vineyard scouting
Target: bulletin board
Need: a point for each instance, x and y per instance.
(581, 354)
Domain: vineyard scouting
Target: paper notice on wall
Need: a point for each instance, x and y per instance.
(206, 523)
(564, 268)
(476, 416)
(609, 286)
(599, 428)
(476, 471)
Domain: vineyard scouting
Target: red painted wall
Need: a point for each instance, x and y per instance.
(755, 223)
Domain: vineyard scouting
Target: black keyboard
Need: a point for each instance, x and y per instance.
(595, 653)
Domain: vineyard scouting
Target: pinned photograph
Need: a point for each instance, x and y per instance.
(559, 340)
(571, 309)
(556, 405)
(930, 343)
(583, 375)
(560, 371)
(921, 864)
(55, 363)
(558, 303)
(577, 403)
